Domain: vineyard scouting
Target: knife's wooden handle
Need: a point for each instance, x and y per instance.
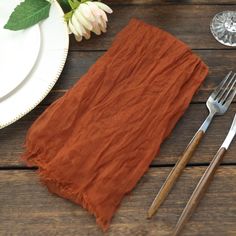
(175, 173)
(199, 191)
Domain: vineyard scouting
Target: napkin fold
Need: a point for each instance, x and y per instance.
(94, 144)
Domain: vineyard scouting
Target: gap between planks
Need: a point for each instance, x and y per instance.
(168, 2)
(193, 49)
(23, 168)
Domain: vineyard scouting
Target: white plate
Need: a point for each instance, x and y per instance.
(46, 71)
(18, 50)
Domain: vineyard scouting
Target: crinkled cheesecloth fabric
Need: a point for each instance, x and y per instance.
(94, 144)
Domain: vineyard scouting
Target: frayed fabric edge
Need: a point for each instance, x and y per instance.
(62, 191)
(56, 187)
(79, 198)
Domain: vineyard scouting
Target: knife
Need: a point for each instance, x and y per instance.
(205, 181)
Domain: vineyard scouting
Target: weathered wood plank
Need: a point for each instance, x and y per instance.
(28, 209)
(219, 62)
(189, 23)
(12, 138)
(165, 2)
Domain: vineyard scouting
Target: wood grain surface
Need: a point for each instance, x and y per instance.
(165, 2)
(190, 23)
(28, 209)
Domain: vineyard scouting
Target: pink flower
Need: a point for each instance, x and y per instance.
(88, 17)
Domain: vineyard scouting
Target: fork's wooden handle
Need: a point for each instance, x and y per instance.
(199, 191)
(175, 173)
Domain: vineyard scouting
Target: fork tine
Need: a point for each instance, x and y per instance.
(220, 86)
(225, 89)
(230, 98)
(224, 98)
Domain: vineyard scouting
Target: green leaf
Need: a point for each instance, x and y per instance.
(27, 14)
(74, 3)
(64, 5)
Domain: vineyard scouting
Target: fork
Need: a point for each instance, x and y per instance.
(205, 180)
(217, 104)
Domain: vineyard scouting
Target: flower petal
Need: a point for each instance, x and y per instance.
(97, 11)
(91, 17)
(94, 9)
(69, 30)
(100, 20)
(104, 7)
(78, 26)
(85, 10)
(103, 25)
(78, 38)
(87, 35)
(86, 23)
(96, 29)
(103, 29)
(103, 15)
(72, 28)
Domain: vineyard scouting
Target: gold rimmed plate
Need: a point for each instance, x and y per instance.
(45, 72)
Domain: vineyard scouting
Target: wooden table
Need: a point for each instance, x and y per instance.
(28, 209)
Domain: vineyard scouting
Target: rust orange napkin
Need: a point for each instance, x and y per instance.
(93, 144)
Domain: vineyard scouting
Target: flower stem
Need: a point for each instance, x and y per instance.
(73, 4)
